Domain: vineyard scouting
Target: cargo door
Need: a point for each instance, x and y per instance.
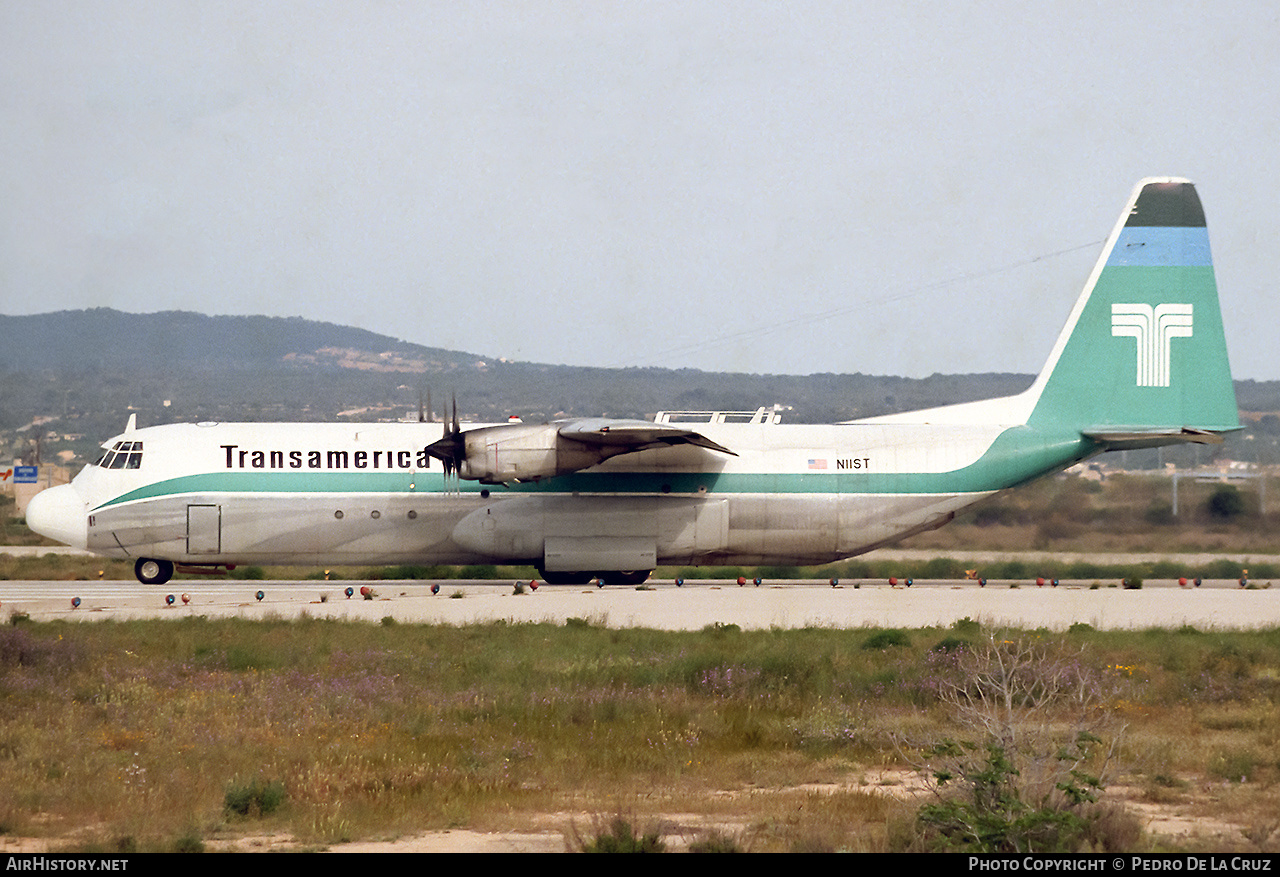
(204, 529)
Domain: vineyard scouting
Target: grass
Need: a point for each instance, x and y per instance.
(161, 735)
(141, 736)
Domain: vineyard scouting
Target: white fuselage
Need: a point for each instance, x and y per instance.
(368, 493)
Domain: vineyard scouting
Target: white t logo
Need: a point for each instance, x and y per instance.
(1153, 329)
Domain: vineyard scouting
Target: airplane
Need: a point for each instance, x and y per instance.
(1141, 362)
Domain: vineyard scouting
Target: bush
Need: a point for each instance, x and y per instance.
(716, 842)
(189, 842)
(884, 639)
(1226, 503)
(1027, 781)
(258, 798)
(619, 837)
(991, 815)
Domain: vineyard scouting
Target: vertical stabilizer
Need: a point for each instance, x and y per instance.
(1144, 350)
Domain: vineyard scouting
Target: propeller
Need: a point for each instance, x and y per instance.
(451, 448)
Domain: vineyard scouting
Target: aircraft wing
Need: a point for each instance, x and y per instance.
(533, 451)
(635, 435)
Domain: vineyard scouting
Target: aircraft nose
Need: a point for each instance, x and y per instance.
(60, 514)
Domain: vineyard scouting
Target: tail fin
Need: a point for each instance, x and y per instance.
(1142, 359)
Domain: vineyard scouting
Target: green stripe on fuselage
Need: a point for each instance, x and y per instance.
(1019, 454)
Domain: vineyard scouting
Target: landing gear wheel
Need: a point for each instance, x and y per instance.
(626, 577)
(153, 572)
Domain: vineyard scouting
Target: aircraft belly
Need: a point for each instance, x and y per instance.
(791, 528)
(564, 529)
(366, 528)
(870, 520)
(259, 528)
(821, 528)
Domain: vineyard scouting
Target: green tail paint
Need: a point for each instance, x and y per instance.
(1143, 359)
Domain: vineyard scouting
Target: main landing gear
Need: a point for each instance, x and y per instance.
(614, 577)
(153, 572)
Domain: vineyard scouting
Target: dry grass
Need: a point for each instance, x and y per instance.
(131, 735)
(1126, 513)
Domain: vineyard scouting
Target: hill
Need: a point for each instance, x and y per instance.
(101, 338)
(234, 366)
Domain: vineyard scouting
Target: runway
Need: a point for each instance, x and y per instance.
(1217, 604)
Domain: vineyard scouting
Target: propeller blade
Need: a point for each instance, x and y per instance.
(451, 448)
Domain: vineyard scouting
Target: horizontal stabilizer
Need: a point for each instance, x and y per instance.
(1121, 439)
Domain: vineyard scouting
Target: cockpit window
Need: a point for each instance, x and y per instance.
(122, 455)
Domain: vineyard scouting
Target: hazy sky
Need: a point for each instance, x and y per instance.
(762, 187)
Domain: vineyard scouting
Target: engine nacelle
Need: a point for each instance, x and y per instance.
(525, 452)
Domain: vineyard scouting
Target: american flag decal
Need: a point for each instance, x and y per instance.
(817, 464)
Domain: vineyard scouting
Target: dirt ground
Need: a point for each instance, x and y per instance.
(1183, 822)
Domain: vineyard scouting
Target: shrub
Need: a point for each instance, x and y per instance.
(1237, 765)
(717, 842)
(619, 837)
(888, 638)
(991, 815)
(1020, 783)
(258, 798)
(1226, 503)
(189, 842)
